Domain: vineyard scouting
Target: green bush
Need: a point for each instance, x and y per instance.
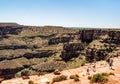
(99, 78)
(75, 77)
(59, 78)
(30, 82)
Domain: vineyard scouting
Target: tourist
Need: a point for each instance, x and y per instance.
(94, 68)
(88, 70)
(110, 62)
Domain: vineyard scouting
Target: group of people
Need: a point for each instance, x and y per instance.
(89, 67)
(110, 63)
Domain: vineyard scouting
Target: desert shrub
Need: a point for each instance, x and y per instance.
(30, 82)
(25, 73)
(89, 77)
(99, 78)
(75, 77)
(83, 75)
(105, 74)
(59, 78)
(111, 73)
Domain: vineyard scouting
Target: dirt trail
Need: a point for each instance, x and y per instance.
(101, 66)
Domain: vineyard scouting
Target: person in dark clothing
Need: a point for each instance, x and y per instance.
(94, 68)
(88, 70)
(110, 62)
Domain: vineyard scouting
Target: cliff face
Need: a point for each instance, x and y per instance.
(115, 36)
(71, 50)
(90, 35)
(38, 46)
(10, 28)
(87, 35)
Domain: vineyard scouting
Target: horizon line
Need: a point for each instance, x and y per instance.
(58, 25)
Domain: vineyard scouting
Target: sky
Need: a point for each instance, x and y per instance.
(67, 13)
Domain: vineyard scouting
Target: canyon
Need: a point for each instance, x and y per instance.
(35, 49)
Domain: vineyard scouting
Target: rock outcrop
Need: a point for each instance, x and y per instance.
(114, 36)
(8, 68)
(10, 28)
(71, 50)
(93, 54)
(91, 34)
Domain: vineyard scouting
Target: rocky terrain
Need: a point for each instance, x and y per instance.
(30, 50)
(101, 67)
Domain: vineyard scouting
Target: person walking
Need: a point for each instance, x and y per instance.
(110, 62)
(94, 67)
(88, 70)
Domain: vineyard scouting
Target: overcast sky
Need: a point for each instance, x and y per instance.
(69, 13)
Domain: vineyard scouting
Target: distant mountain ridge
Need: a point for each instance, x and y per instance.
(8, 24)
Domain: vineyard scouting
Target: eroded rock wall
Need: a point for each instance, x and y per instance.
(71, 50)
(91, 34)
